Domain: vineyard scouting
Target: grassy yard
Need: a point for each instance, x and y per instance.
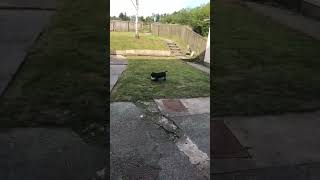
(61, 82)
(127, 41)
(261, 67)
(182, 81)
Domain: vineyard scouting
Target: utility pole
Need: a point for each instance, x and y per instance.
(137, 16)
(136, 6)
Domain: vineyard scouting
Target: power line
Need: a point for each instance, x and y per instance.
(134, 5)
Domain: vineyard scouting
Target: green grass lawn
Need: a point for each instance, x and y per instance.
(182, 81)
(261, 67)
(127, 41)
(61, 82)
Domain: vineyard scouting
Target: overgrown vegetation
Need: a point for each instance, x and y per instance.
(197, 18)
(261, 67)
(183, 81)
(61, 82)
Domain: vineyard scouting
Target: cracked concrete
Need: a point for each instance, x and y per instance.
(140, 148)
(193, 127)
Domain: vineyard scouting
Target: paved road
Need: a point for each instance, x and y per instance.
(19, 30)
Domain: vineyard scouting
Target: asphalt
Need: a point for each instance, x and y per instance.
(47, 153)
(140, 149)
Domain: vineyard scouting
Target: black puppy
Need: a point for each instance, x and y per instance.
(159, 75)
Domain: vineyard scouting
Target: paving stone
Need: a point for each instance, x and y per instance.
(174, 105)
(193, 106)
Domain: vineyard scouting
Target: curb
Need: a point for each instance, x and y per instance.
(142, 53)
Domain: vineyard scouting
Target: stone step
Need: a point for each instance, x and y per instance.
(175, 48)
(171, 44)
(176, 52)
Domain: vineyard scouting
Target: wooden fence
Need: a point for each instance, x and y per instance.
(184, 33)
(124, 26)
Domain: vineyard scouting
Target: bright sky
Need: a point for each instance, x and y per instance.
(147, 7)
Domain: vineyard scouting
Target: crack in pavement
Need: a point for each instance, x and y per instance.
(178, 136)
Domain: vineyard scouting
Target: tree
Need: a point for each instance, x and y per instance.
(194, 17)
(141, 18)
(157, 17)
(149, 19)
(121, 16)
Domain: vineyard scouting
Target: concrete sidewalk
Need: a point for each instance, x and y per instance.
(281, 147)
(184, 107)
(118, 64)
(293, 20)
(19, 30)
(192, 118)
(200, 67)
